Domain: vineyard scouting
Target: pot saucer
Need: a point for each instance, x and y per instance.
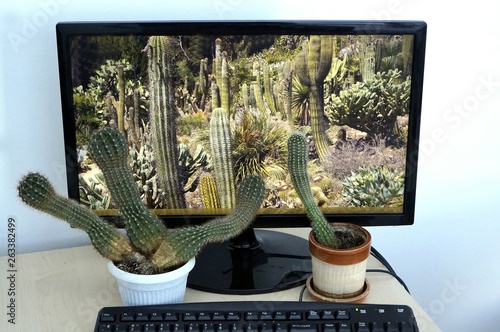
(322, 298)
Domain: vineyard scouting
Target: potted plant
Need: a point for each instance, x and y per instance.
(339, 251)
(151, 252)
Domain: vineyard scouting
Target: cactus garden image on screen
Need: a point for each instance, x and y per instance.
(201, 112)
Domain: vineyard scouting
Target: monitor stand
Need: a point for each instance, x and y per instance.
(257, 261)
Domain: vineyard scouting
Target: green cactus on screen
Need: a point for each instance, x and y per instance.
(152, 248)
(208, 191)
(163, 119)
(220, 144)
(312, 65)
(297, 164)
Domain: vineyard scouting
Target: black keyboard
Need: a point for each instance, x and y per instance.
(258, 316)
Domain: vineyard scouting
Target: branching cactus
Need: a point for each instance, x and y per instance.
(297, 164)
(152, 247)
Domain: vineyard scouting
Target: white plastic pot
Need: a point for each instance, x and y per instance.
(137, 289)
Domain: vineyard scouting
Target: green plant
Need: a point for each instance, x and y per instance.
(374, 187)
(152, 247)
(373, 106)
(260, 147)
(312, 65)
(297, 164)
(221, 148)
(163, 119)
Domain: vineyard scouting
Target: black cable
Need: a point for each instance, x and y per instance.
(375, 253)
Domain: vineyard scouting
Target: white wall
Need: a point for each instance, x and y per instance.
(447, 258)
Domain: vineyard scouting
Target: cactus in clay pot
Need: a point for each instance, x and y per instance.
(151, 248)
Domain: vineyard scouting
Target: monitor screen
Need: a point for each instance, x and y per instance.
(353, 88)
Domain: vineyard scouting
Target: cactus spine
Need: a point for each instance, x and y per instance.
(297, 164)
(155, 249)
(163, 116)
(312, 66)
(220, 144)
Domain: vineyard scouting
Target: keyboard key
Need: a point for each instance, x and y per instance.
(328, 315)
(266, 315)
(295, 315)
(305, 327)
(141, 317)
(313, 315)
(217, 315)
(189, 316)
(107, 317)
(127, 317)
(280, 315)
(156, 317)
(171, 316)
(342, 314)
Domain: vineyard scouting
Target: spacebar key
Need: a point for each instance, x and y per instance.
(305, 327)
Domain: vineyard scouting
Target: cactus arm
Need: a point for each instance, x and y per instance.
(36, 191)
(109, 149)
(187, 242)
(297, 163)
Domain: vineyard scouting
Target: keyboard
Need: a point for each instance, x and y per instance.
(258, 316)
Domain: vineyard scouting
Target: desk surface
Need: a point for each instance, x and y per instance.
(62, 290)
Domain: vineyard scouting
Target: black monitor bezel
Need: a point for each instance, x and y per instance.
(416, 28)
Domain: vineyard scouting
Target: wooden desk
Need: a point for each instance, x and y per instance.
(62, 290)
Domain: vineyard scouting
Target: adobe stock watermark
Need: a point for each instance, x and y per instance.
(456, 114)
(449, 294)
(30, 26)
(224, 6)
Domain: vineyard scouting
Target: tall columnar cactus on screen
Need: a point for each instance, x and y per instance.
(151, 248)
(163, 119)
(312, 65)
(220, 144)
(297, 164)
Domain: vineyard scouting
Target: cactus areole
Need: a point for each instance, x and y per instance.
(151, 248)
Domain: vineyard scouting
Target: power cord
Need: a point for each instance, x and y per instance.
(375, 253)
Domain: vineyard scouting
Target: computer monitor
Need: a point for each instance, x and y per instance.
(362, 124)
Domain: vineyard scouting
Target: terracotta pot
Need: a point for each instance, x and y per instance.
(340, 273)
(164, 288)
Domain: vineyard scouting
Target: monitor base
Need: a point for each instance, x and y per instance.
(256, 262)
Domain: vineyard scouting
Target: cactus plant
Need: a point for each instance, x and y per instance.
(152, 247)
(163, 119)
(297, 164)
(374, 187)
(208, 191)
(220, 144)
(312, 66)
